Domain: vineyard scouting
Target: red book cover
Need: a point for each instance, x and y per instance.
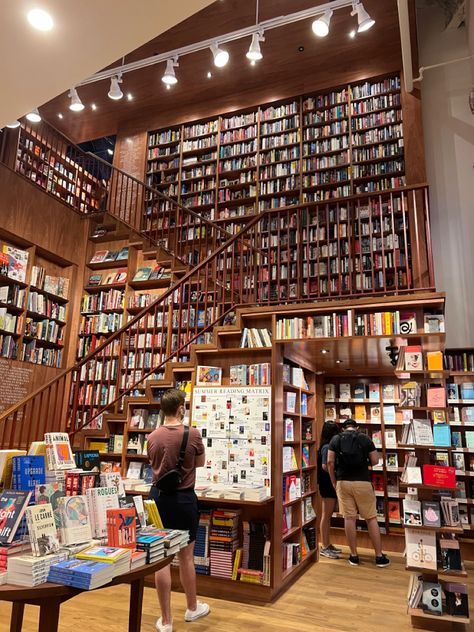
(122, 527)
(439, 475)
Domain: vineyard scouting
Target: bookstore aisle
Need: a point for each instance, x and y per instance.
(326, 598)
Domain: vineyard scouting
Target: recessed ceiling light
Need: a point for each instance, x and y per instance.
(324, 350)
(338, 361)
(352, 34)
(129, 96)
(110, 151)
(40, 19)
(209, 75)
(93, 106)
(60, 115)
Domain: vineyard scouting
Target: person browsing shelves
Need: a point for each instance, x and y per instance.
(349, 456)
(175, 451)
(326, 490)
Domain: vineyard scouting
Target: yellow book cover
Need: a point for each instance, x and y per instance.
(360, 413)
(434, 360)
(100, 446)
(37, 448)
(294, 462)
(235, 569)
(388, 323)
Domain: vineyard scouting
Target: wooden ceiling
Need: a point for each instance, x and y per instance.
(284, 71)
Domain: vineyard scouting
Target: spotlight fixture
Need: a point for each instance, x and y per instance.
(14, 124)
(34, 116)
(221, 56)
(209, 75)
(170, 77)
(76, 104)
(129, 96)
(254, 53)
(364, 20)
(93, 106)
(115, 92)
(60, 115)
(40, 19)
(321, 25)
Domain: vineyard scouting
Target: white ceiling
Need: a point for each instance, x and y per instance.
(88, 35)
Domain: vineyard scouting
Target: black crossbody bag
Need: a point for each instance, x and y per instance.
(170, 481)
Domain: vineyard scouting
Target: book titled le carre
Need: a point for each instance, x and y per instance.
(42, 529)
(13, 505)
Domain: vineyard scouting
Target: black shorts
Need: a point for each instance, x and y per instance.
(326, 490)
(178, 510)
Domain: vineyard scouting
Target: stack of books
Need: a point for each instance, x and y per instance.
(201, 546)
(118, 558)
(7, 551)
(152, 545)
(223, 541)
(138, 559)
(29, 570)
(85, 575)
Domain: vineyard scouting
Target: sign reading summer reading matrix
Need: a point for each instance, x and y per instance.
(235, 424)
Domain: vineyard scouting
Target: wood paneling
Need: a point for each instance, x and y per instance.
(284, 70)
(31, 217)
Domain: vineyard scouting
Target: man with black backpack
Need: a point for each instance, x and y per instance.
(349, 455)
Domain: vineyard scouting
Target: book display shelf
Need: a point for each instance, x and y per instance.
(34, 297)
(49, 165)
(433, 481)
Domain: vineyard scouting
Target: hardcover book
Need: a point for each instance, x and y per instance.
(58, 451)
(121, 528)
(413, 358)
(420, 548)
(42, 529)
(209, 376)
(99, 256)
(374, 392)
(75, 524)
(344, 392)
(88, 460)
(431, 512)
(99, 500)
(13, 505)
(412, 512)
(50, 493)
(142, 274)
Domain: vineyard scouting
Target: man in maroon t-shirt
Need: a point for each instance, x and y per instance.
(178, 509)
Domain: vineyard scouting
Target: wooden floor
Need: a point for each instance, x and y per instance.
(331, 596)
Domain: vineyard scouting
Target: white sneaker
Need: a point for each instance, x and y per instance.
(202, 609)
(163, 627)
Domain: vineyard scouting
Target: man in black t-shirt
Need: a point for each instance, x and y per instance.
(349, 456)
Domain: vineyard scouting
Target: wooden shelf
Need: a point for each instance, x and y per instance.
(438, 571)
(106, 265)
(418, 612)
(290, 533)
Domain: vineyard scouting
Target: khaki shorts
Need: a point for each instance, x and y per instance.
(356, 497)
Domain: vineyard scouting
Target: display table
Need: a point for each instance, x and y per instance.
(49, 598)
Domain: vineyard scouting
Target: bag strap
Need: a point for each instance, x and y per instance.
(182, 450)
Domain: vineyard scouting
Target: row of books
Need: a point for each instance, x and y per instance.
(12, 295)
(44, 306)
(254, 337)
(111, 278)
(57, 285)
(103, 256)
(449, 598)
(251, 375)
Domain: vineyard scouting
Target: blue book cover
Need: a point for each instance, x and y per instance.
(389, 414)
(28, 471)
(442, 435)
(150, 540)
(467, 390)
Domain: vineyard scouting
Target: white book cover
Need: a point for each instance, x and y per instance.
(330, 413)
(421, 548)
(291, 402)
(344, 392)
(423, 431)
(134, 469)
(412, 512)
(58, 449)
(112, 479)
(374, 392)
(375, 413)
(75, 523)
(99, 500)
(330, 392)
(42, 529)
(390, 438)
(287, 458)
(413, 475)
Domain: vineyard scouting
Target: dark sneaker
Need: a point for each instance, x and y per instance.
(328, 552)
(354, 560)
(382, 560)
(334, 548)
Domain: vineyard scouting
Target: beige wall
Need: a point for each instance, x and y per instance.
(449, 144)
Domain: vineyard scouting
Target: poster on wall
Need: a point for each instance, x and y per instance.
(235, 424)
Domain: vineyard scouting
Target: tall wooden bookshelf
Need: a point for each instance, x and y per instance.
(34, 305)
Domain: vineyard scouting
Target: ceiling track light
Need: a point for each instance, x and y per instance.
(170, 76)
(364, 21)
(321, 25)
(34, 116)
(14, 124)
(76, 104)
(115, 93)
(254, 53)
(221, 56)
